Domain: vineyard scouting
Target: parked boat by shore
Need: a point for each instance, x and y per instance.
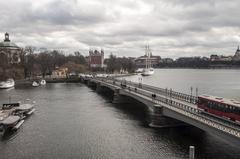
(35, 84)
(12, 116)
(8, 123)
(139, 70)
(39, 83)
(7, 84)
(43, 82)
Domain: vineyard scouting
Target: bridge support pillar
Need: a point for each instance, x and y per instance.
(120, 99)
(160, 121)
(98, 88)
(89, 83)
(117, 98)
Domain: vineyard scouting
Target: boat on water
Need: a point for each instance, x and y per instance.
(9, 122)
(43, 82)
(39, 83)
(7, 84)
(12, 115)
(139, 70)
(148, 70)
(35, 84)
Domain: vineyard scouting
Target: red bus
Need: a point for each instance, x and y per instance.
(227, 108)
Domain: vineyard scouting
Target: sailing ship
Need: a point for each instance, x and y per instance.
(148, 70)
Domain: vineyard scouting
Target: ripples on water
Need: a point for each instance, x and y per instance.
(72, 121)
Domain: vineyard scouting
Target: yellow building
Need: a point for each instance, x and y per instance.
(60, 72)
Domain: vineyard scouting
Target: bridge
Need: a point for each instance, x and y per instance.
(167, 103)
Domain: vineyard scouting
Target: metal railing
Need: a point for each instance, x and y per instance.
(166, 92)
(168, 99)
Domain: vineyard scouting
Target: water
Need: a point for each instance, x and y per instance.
(219, 82)
(73, 121)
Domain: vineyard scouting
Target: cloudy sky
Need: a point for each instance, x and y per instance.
(173, 28)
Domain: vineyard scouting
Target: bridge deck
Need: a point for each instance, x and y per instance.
(181, 105)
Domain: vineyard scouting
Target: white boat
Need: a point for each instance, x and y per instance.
(7, 84)
(148, 70)
(12, 115)
(139, 70)
(35, 84)
(43, 82)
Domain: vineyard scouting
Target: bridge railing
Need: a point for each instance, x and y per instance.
(194, 113)
(167, 92)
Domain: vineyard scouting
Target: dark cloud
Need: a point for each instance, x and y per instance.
(173, 28)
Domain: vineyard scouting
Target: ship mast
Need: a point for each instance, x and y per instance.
(148, 56)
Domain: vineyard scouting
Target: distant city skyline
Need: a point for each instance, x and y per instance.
(173, 28)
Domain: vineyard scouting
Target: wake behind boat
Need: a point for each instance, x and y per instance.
(7, 84)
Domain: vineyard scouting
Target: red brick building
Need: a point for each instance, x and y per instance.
(96, 59)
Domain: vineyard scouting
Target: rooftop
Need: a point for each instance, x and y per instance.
(231, 102)
(7, 43)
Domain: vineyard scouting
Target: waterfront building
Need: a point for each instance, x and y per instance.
(236, 57)
(60, 72)
(220, 58)
(96, 59)
(166, 60)
(10, 49)
(141, 61)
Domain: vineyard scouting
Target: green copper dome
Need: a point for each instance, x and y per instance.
(7, 43)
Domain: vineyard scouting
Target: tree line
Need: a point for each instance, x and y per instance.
(34, 64)
(44, 63)
(115, 64)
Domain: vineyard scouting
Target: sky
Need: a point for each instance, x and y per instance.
(172, 28)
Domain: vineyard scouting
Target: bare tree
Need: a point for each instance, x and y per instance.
(44, 60)
(27, 60)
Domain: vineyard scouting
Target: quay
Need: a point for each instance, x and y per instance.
(70, 79)
(167, 103)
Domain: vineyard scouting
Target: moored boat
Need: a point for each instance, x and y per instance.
(8, 121)
(24, 110)
(139, 70)
(12, 115)
(148, 70)
(7, 84)
(35, 84)
(43, 82)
